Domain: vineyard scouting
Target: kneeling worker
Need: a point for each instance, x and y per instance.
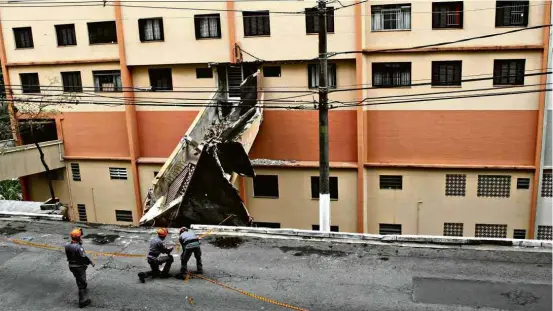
(158, 247)
(190, 245)
(78, 262)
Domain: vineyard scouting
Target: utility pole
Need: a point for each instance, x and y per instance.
(324, 167)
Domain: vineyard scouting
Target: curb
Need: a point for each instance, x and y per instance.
(358, 237)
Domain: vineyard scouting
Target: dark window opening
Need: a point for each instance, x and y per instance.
(332, 228)
(274, 225)
(29, 83)
(76, 171)
(508, 71)
(389, 229)
(204, 73)
(446, 73)
(546, 185)
(161, 79)
(523, 183)
(511, 13)
(107, 81)
(271, 71)
(151, 29)
(72, 82)
(23, 37)
(66, 35)
(391, 17)
(207, 26)
(313, 73)
(394, 182)
(333, 187)
(155, 174)
(519, 234)
(81, 209)
(125, 216)
(312, 20)
(102, 32)
(256, 23)
(391, 74)
(265, 186)
(118, 173)
(447, 14)
(39, 130)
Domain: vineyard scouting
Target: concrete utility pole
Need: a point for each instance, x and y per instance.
(324, 167)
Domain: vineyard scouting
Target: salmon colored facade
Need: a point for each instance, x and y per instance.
(387, 142)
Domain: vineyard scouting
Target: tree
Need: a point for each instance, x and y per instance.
(34, 111)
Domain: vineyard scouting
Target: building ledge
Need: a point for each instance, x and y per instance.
(148, 160)
(300, 164)
(454, 166)
(456, 49)
(97, 158)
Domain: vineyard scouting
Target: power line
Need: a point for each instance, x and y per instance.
(331, 54)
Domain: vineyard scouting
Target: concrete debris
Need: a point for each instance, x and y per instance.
(195, 185)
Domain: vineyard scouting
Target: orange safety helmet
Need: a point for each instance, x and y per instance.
(162, 232)
(76, 234)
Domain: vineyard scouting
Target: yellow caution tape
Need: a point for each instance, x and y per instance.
(116, 254)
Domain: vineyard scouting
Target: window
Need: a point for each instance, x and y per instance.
(274, 225)
(23, 37)
(313, 71)
(391, 17)
(271, 71)
(207, 26)
(265, 186)
(519, 234)
(447, 14)
(446, 73)
(66, 35)
(511, 13)
(107, 81)
(204, 73)
(72, 81)
(453, 229)
(455, 185)
(102, 32)
(391, 74)
(312, 20)
(29, 83)
(545, 233)
(75, 171)
(523, 183)
(118, 173)
(256, 23)
(125, 216)
(490, 231)
(546, 185)
(508, 71)
(155, 174)
(332, 228)
(394, 182)
(333, 187)
(161, 79)
(150, 29)
(389, 229)
(494, 186)
(81, 209)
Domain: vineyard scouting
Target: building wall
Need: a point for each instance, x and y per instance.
(295, 208)
(146, 173)
(422, 207)
(100, 194)
(40, 192)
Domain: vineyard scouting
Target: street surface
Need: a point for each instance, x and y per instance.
(305, 274)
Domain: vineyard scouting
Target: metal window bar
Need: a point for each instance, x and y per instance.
(121, 215)
(81, 209)
(118, 173)
(389, 229)
(391, 17)
(75, 171)
(107, 81)
(391, 182)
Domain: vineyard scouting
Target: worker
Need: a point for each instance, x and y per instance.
(156, 259)
(78, 262)
(190, 245)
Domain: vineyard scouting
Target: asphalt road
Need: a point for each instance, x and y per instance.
(306, 274)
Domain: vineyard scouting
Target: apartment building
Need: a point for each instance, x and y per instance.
(425, 138)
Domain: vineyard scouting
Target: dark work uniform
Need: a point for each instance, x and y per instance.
(155, 258)
(190, 245)
(78, 262)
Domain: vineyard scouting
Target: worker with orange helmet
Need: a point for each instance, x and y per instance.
(156, 259)
(78, 262)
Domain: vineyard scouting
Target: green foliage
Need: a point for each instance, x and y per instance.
(10, 190)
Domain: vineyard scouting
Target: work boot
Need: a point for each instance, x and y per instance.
(199, 272)
(141, 277)
(84, 303)
(179, 276)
